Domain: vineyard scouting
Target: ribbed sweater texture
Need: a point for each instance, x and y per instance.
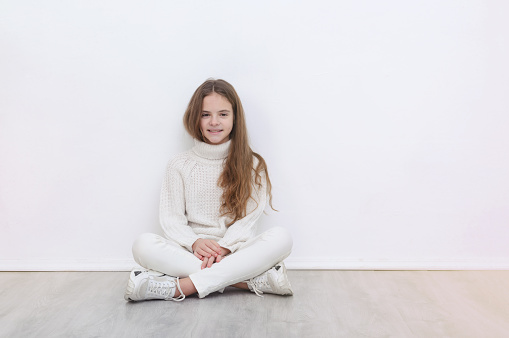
(191, 200)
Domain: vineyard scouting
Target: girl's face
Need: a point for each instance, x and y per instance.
(216, 120)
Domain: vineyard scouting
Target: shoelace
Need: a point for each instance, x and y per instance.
(182, 296)
(257, 283)
(162, 289)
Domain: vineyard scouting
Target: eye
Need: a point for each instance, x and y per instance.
(204, 114)
(224, 114)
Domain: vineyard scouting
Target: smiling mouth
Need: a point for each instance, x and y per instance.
(215, 130)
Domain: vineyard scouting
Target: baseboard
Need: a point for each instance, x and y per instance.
(298, 263)
(292, 263)
(67, 265)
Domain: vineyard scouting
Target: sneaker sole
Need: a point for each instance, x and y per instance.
(287, 287)
(130, 288)
(130, 283)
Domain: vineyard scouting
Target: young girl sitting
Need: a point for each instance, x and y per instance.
(211, 198)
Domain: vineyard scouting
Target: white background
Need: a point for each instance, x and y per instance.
(384, 124)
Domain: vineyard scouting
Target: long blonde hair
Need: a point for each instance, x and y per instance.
(236, 178)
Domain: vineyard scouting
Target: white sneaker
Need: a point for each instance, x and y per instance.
(273, 281)
(149, 284)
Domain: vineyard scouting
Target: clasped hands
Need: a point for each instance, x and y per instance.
(208, 251)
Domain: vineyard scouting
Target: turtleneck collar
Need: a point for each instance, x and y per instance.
(211, 151)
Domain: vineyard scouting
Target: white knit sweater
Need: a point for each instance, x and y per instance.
(191, 199)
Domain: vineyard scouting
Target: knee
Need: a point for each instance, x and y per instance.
(142, 244)
(284, 238)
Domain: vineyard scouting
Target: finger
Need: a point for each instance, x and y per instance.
(203, 252)
(207, 249)
(204, 264)
(212, 245)
(211, 261)
(200, 257)
(212, 249)
(219, 258)
(218, 247)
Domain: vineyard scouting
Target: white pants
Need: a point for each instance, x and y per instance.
(258, 255)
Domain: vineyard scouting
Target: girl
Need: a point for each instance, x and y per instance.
(211, 198)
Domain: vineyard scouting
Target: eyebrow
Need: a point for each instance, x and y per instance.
(221, 111)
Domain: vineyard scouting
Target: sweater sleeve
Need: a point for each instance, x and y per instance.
(172, 208)
(244, 229)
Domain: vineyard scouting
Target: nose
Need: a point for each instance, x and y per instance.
(214, 120)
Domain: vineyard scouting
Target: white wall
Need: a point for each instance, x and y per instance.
(384, 125)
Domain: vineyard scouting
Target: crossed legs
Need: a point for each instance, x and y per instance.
(254, 258)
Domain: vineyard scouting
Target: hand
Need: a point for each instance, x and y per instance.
(224, 252)
(208, 261)
(206, 248)
(210, 253)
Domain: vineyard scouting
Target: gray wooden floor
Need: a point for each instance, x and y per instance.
(325, 304)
